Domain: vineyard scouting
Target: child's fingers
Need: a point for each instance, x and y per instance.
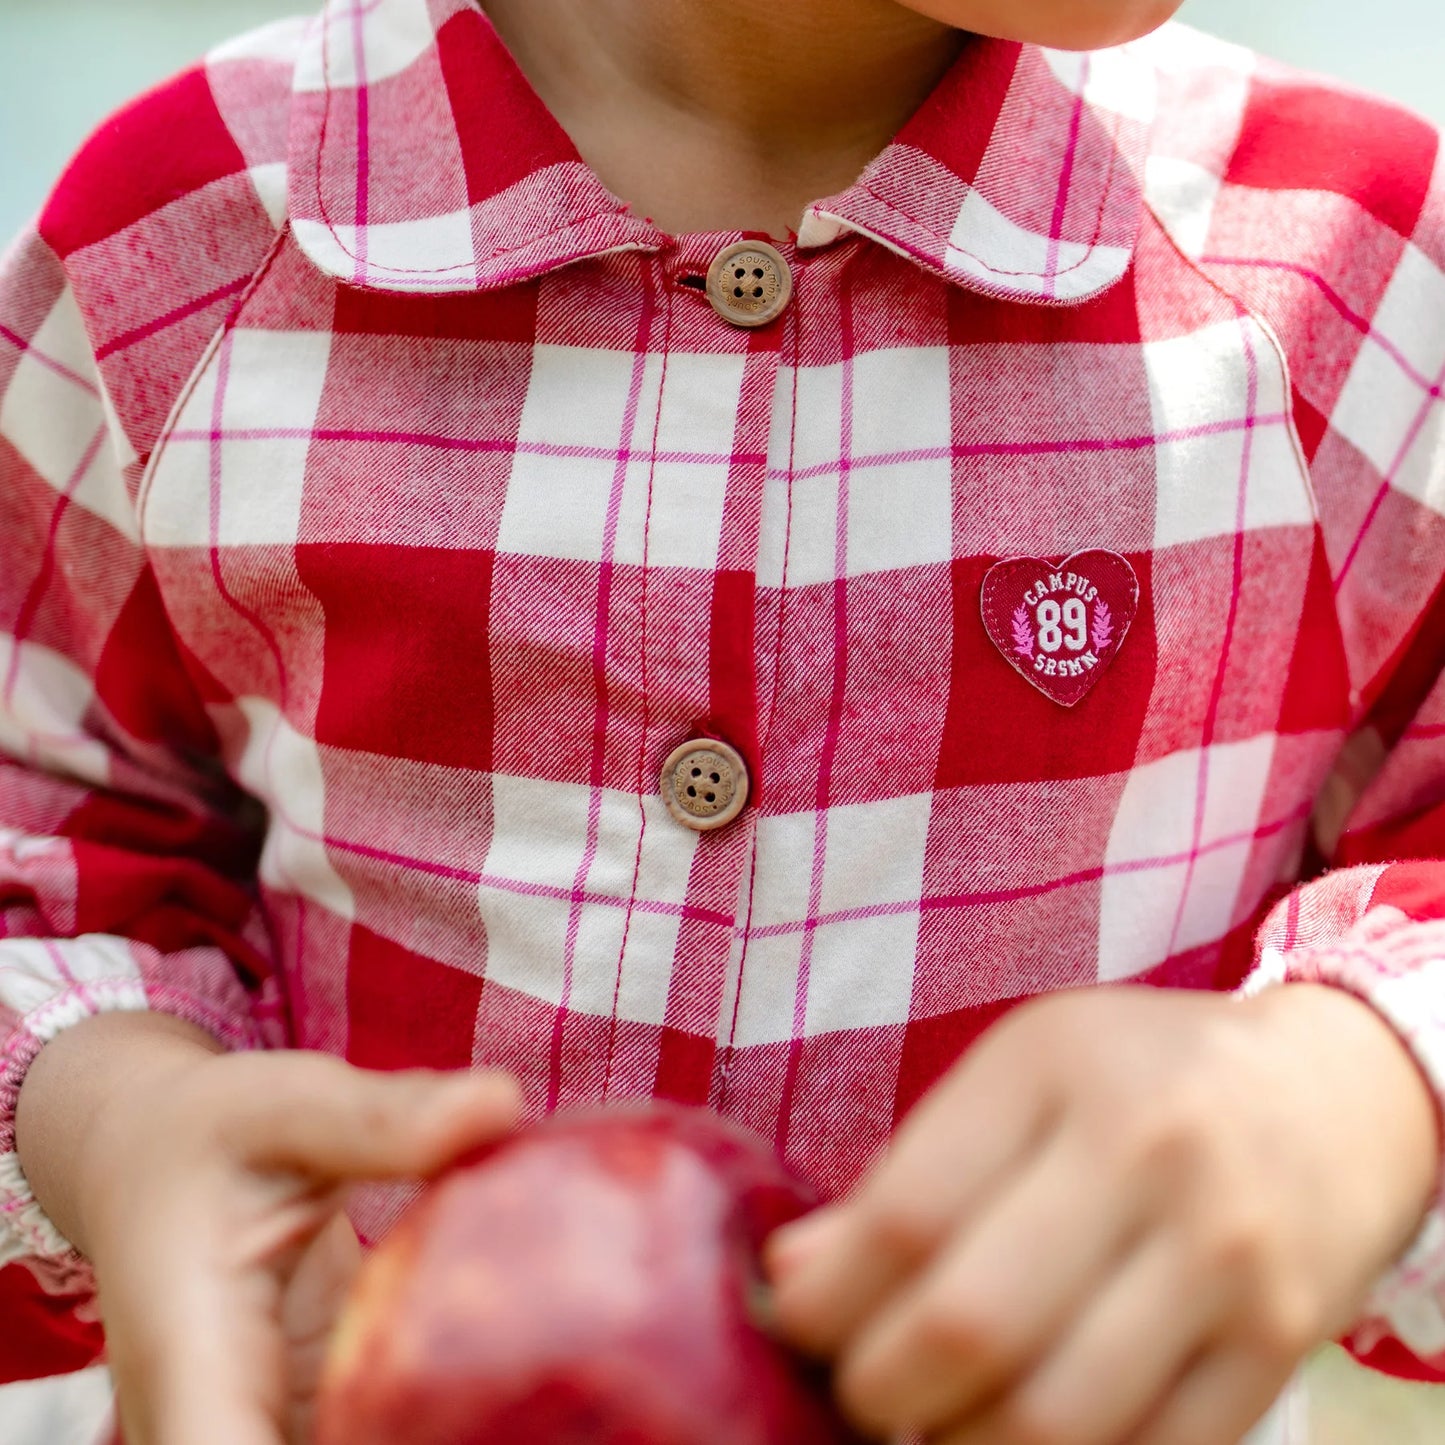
(1115, 1364)
(340, 1122)
(314, 1298)
(996, 1300)
(193, 1361)
(219, 1416)
(833, 1269)
(1221, 1397)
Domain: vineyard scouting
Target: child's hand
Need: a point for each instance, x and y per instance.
(1125, 1216)
(212, 1215)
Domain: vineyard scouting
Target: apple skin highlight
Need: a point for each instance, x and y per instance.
(591, 1280)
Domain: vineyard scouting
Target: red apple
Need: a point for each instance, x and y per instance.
(592, 1280)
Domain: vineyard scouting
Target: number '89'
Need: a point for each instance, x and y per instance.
(1073, 615)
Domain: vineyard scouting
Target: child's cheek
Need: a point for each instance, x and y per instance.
(1065, 24)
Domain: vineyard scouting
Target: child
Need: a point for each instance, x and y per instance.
(964, 527)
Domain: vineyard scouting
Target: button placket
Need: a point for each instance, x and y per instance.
(719, 884)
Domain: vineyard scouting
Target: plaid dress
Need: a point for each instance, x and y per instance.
(382, 501)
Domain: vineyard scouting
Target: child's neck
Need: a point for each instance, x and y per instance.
(712, 115)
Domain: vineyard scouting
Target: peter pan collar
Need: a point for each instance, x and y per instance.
(422, 160)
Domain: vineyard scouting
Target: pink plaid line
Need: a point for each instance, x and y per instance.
(966, 450)
(566, 451)
(599, 682)
(67, 976)
(833, 727)
(1363, 326)
(171, 318)
(583, 896)
(49, 363)
(1406, 446)
(363, 142)
(1061, 199)
(578, 452)
(942, 902)
(358, 9)
(46, 571)
(251, 617)
(1211, 716)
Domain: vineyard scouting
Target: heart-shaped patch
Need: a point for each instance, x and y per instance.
(1060, 624)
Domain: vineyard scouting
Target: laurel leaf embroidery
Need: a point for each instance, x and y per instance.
(1023, 633)
(1103, 627)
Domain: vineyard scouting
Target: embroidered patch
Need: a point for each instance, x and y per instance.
(1060, 624)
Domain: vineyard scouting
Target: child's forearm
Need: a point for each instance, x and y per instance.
(78, 1082)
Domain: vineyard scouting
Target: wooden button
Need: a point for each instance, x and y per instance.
(704, 784)
(749, 283)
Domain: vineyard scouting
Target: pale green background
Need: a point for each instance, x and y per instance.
(64, 64)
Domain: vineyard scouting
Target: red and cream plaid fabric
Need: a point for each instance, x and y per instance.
(381, 502)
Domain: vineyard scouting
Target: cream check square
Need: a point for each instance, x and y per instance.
(681, 455)
(1390, 417)
(1219, 402)
(56, 415)
(861, 976)
(283, 768)
(1146, 862)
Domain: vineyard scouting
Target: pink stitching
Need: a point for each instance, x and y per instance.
(788, 475)
(599, 683)
(834, 726)
(1217, 691)
(1106, 196)
(642, 629)
(373, 267)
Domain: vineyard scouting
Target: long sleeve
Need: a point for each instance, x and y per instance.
(1374, 925)
(123, 859)
(1321, 212)
(127, 856)
(1355, 295)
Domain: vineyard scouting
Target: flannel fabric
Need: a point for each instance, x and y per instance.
(381, 502)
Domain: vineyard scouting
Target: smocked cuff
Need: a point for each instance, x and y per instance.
(99, 976)
(1397, 967)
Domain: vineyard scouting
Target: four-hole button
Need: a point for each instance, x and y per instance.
(749, 283)
(704, 784)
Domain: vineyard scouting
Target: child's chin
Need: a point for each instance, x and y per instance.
(1059, 24)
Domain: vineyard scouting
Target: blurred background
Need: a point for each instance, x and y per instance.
(65, 64)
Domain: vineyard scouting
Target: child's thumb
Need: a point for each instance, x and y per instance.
(338, 1122)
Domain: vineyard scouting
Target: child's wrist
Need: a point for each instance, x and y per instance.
(84, 1100)
(1393, 1128)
